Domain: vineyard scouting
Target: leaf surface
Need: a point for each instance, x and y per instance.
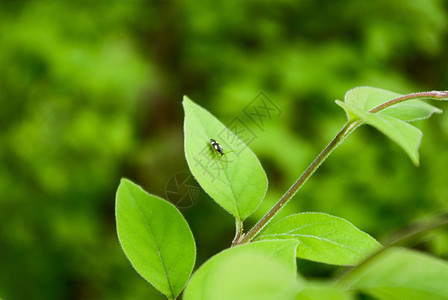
(404, 274)
(323, 238)
(260, 271)
(155, 237)
(408, 137)
(236, 181)
(365, 98)
(324, 290)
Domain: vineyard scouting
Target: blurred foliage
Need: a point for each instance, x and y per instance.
(91, 91)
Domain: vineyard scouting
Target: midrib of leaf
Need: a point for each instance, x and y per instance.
(231, 189)
(227, 177)
(155, 241)
(310, 236)
(292, 231)
(306, 225)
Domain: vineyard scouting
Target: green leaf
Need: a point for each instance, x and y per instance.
(403, 274)
(405, 135)
(259, 270)
(366, 98)
(323, 238)
(236, 180)
(323, 290)
(411, 110)
(155, 237)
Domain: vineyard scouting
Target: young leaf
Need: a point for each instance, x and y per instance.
(236, 181)
(260, 270)
(323, 238)
(365, 98)
(403, 274)
(405, 135)
(411, 110)
(155, 237)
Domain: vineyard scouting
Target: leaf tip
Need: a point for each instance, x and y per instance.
(185, 99)
(124, 182)
(415, 158)
(416, 162)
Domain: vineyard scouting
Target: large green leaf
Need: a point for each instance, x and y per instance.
(365, 98)
(323, 238)
(155, 237)
(236, 180)
(324, 290)
(261, 271)
(404, 134)
(403, 274)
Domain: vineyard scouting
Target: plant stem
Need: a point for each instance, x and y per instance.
(238, 232)
(349, 127)
(434, 95)
(345, 131)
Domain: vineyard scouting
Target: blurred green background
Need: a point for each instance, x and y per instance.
(91, 91)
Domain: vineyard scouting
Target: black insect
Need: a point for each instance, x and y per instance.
(217, 146)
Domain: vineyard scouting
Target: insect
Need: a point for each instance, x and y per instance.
(217, 146)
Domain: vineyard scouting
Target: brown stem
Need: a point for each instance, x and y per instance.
(345, 131)
(435, 95)
(238, 232)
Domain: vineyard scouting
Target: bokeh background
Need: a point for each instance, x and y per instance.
(91, 91)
